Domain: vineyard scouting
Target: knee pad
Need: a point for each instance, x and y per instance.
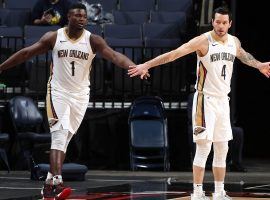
(59, 140)
(203, 149)
(220, 154)
(70, 135)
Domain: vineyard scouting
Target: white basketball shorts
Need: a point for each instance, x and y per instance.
(211, 118)
(65, 110)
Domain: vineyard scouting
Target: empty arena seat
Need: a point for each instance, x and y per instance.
(138, 5)
(148, 135)
(126, 39)
(130, 17)
(26, 4)
(31, 31)
(174, 5)
(95, 29)
(166, 17)
(70, 171)
(14, 17)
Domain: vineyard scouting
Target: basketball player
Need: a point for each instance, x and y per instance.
(216, 51)
(73, 49)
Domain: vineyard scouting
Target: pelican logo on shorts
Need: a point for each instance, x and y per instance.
(52, 122)
(198, 130)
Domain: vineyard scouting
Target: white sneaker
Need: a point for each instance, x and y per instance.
(221, 196)
(199, 197)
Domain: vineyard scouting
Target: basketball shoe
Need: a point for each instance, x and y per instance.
(221, 196)
(58, 192)
(199, 197)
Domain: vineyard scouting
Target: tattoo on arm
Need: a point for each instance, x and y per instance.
(247, 58)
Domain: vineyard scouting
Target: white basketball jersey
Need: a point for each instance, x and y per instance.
(214, 70)
(71, 63)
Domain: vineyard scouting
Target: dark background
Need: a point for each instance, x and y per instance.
(252, 89)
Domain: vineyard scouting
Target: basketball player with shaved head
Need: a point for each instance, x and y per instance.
(216, 51)
(73, 49)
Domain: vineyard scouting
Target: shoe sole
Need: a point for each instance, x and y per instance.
(64, 194)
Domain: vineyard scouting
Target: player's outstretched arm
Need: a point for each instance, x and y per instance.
(40, 47)
(189, 47)
(249, 60)
(99, 45)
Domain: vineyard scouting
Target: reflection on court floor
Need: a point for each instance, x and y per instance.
(175, 191)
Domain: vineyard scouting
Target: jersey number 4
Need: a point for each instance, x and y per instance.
(72, 68)
(223, 71)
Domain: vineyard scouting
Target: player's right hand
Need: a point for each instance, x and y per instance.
(139, 70)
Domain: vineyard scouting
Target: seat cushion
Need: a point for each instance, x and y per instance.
(70, 171)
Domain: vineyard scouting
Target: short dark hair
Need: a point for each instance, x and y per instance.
(223, 11)
(77, 6)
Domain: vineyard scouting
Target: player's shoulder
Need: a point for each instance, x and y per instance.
(200, 40)
(50, 34)
(236, 40)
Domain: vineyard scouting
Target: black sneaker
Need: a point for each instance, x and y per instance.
(61, 192)
(48, 191)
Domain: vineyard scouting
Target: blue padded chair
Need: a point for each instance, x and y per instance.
(158, 39)
(165, 17)
(15, 17)
(159, 36)
(174, 5)
(138, 5)
(126, 39)
(95, 29)
(31, 31)
(28, 124)
(148, 135)
(12, 38)
(23, 4)
(158, 30)
(130, 17)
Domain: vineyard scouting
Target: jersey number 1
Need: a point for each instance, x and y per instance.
(73, 68)
(223, 71)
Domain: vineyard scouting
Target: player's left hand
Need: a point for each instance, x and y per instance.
(264, 68)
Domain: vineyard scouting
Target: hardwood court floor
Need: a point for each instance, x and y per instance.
(126, 185)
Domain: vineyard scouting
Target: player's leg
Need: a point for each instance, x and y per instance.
(203, 121)
(203, 148)
(58, 152)
(219, 169)
(58, 111)
(222, 135)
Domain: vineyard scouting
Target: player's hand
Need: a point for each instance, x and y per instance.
(139, 70)
(46, 18)
(264, 68)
